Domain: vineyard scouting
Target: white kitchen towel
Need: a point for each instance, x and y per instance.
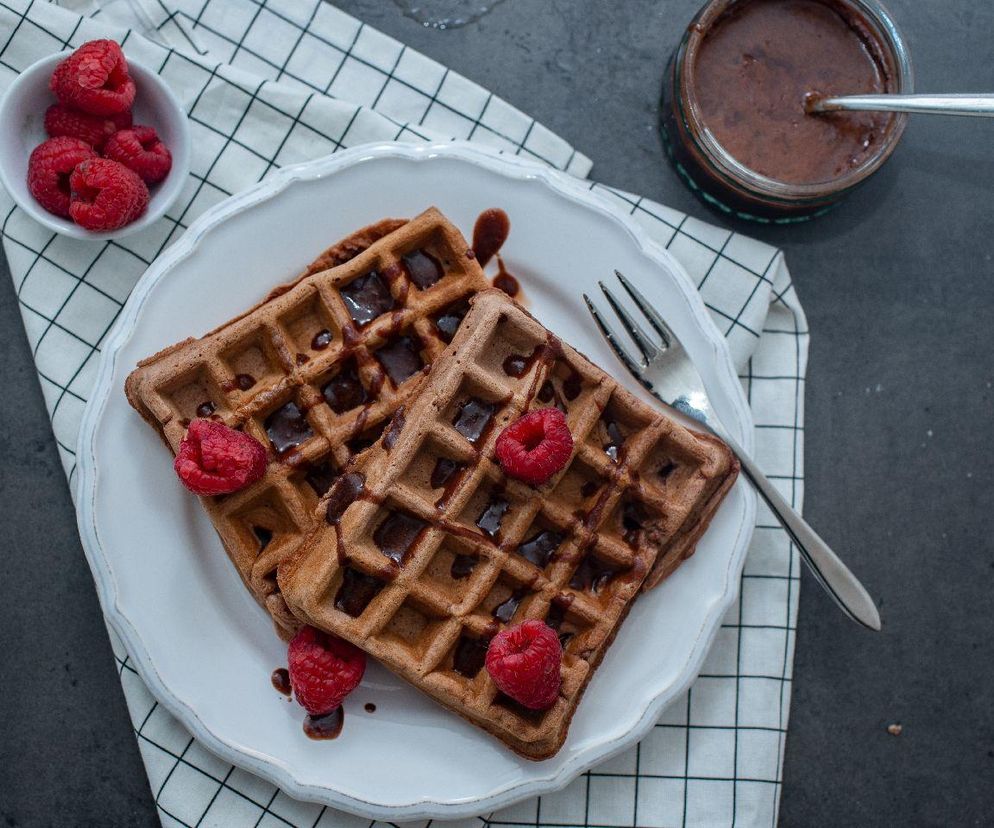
(267, 84)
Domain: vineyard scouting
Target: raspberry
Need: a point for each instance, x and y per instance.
(536, 446)
(140, 149)
(49, 169)
(94, 129)
(524, 663)
(323, 670)
(214, 459)
(95, 79)
(106, 195)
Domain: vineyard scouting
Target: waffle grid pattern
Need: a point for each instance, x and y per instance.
(715, 757)
(292, 352)
(633, 468)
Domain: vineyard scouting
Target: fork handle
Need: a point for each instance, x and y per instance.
(824, 564)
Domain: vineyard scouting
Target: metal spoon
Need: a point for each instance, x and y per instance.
(978, 105)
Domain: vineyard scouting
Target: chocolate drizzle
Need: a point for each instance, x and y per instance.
(632, 518)
(322, 339)
(505, 610)
(505, 281)
(540, 547)
(463, 566)
(345, 390)
(287, 428)
(447, 475)
(345, 491)
(472, 420)
(489, 234)
(469, 655)
(422, 268)
(243, 382)
(357, 591)
(280, 680)
(392, 433)
(447, 322)
(616, 439)
(328, 726)
(401, 358)
(367, 297)
(320, 476)
(397, 534)
(557, 615)
(491, 517)
(593, 574)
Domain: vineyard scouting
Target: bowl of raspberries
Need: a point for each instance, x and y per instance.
(93, 145)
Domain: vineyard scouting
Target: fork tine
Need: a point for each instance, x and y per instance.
(648, 311)
(613, 340)
(640, 337)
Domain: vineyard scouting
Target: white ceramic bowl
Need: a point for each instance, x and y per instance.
(22, 116)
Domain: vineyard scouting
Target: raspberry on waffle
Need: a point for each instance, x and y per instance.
(313, 373)
(429, 550)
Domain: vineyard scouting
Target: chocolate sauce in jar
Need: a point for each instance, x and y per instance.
(280, 679)
(328, 726)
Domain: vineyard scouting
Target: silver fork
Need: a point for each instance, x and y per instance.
(668, 373)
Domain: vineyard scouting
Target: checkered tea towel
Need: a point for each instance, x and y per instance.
(268, 83)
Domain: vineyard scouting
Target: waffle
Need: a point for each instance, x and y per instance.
(314, 372)
(424, 554)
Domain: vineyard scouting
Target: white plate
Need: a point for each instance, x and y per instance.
(199, 641)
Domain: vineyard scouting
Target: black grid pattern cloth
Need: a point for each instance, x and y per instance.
(271, 83)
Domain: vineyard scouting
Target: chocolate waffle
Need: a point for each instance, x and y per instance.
(314, 373)
(426, 552)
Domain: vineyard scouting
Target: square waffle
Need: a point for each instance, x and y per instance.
(421, 556)
(314, 373)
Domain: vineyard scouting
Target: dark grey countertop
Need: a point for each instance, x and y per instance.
(898, 285)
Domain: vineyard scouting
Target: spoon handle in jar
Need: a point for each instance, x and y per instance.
(974, 104)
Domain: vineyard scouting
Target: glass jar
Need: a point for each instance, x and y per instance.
(724, 182)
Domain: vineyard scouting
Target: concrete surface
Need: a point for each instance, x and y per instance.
(899, 293)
